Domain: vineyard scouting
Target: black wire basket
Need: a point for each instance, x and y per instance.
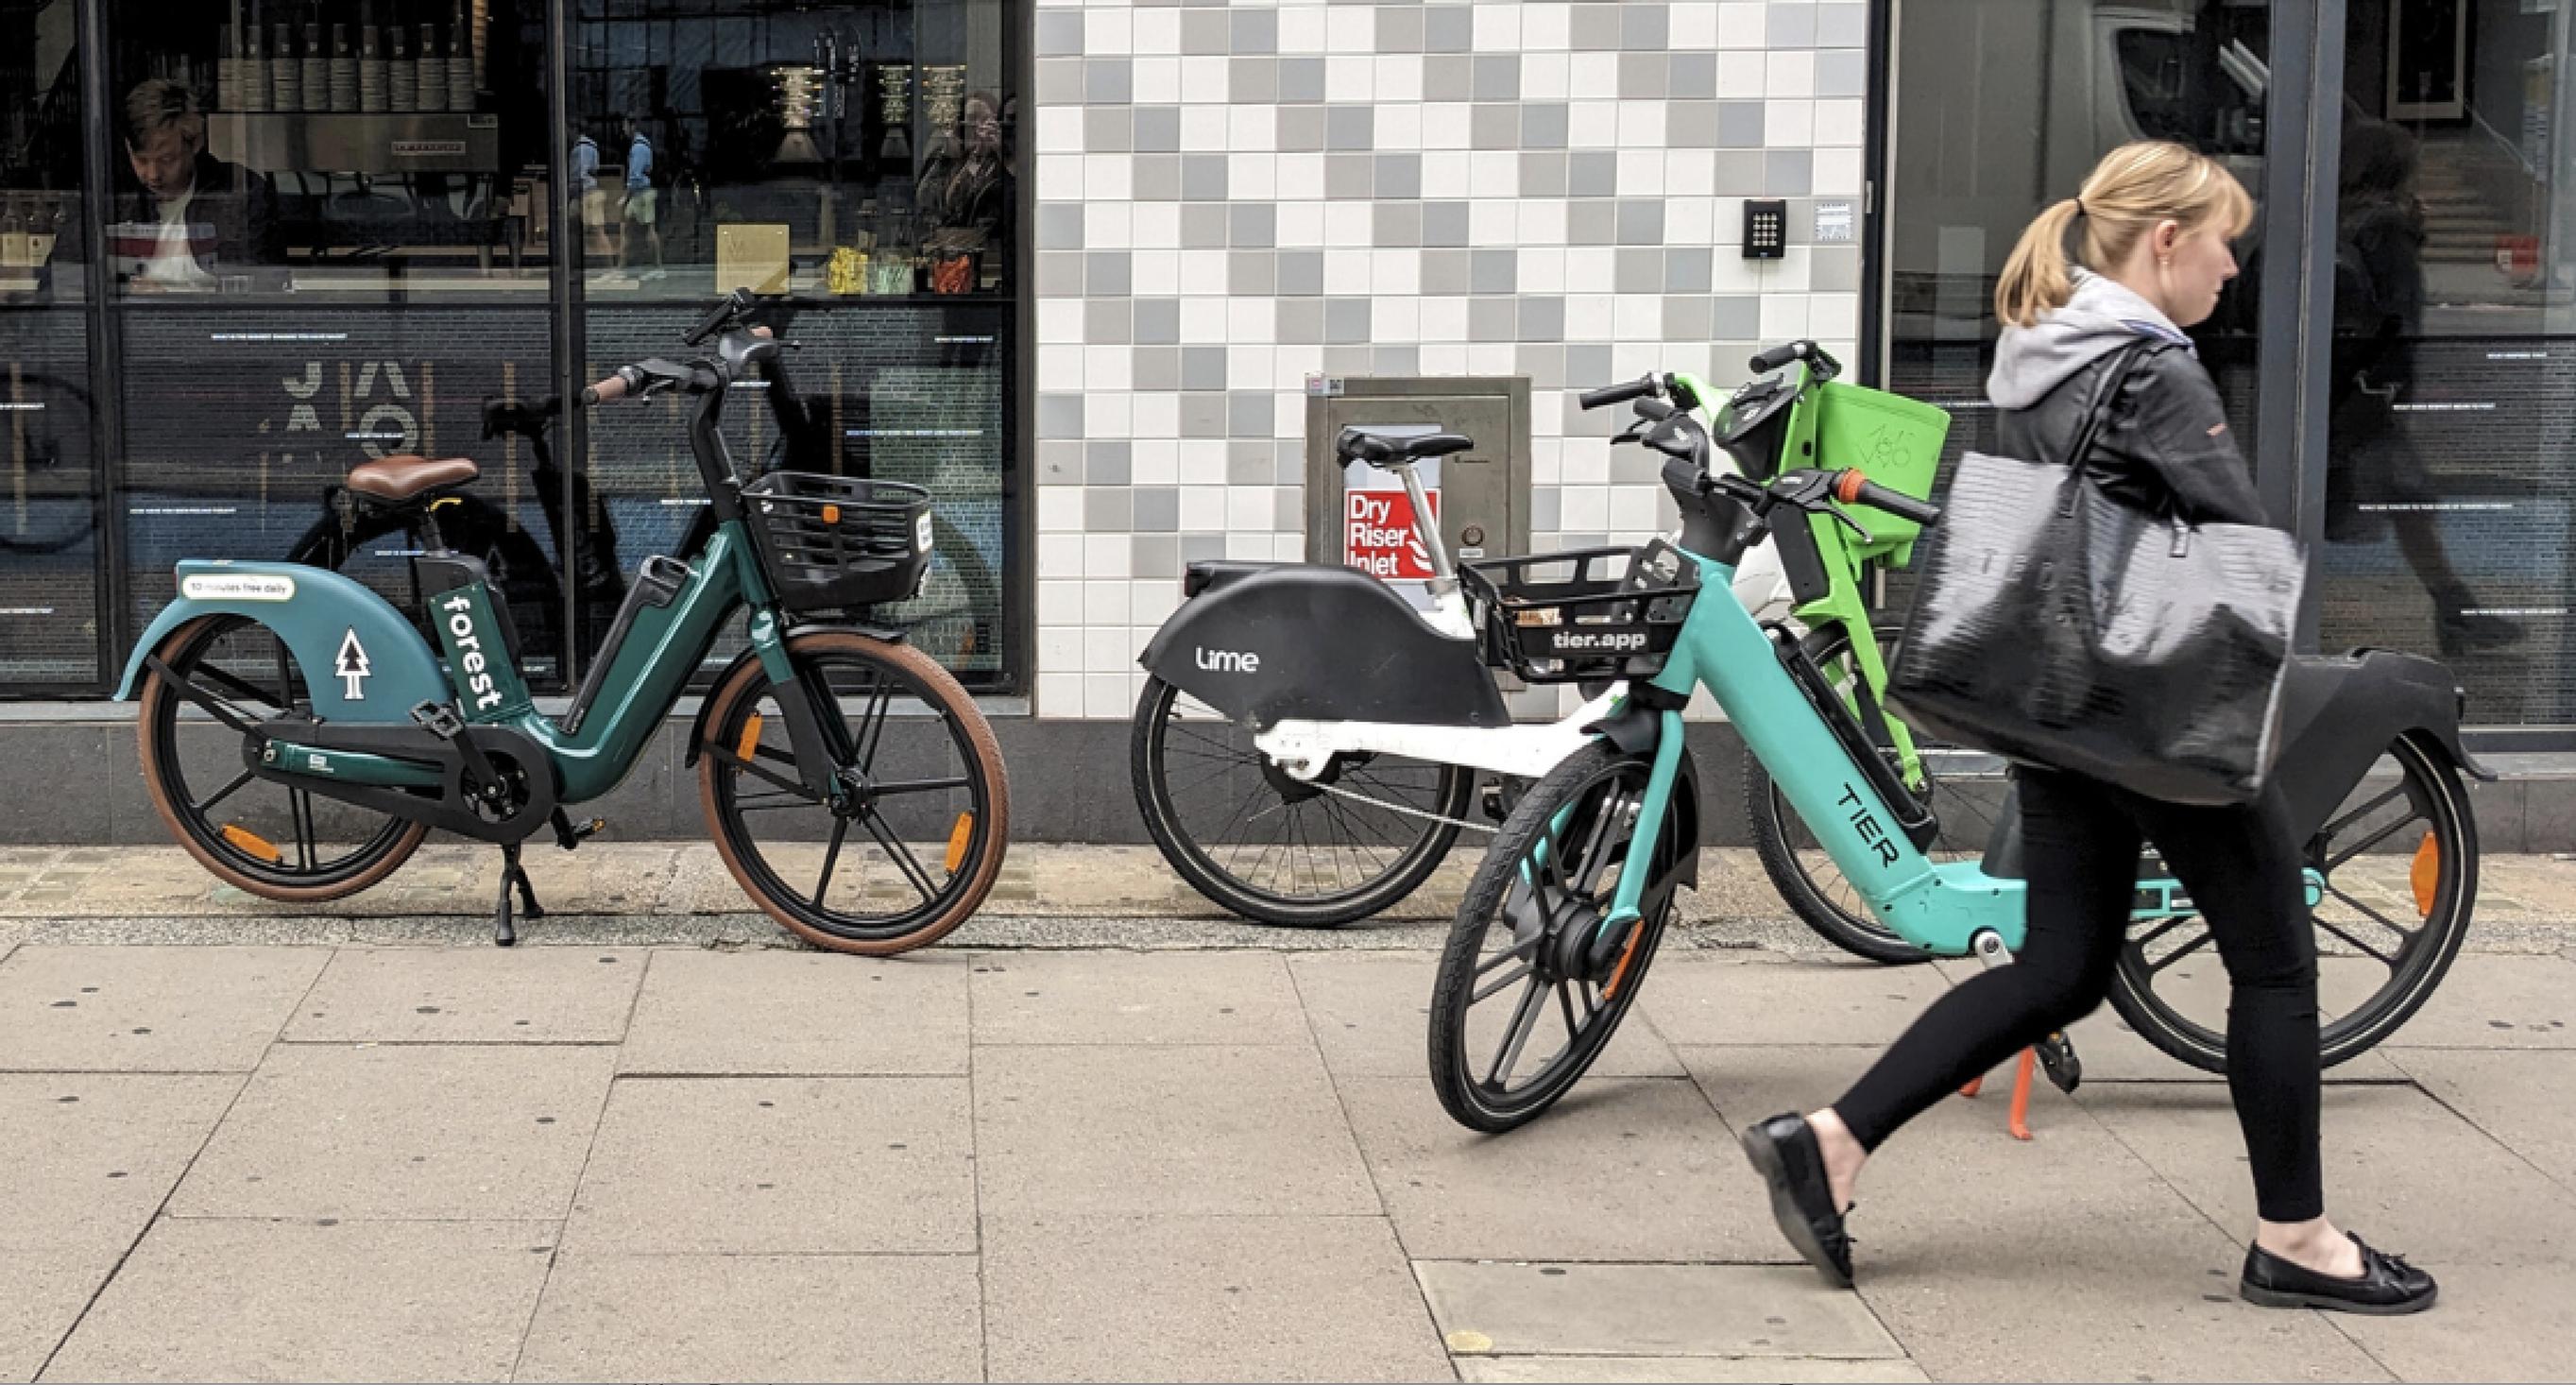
(833, 543)
(1583, 614)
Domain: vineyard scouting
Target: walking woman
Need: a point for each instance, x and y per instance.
(2153, 223)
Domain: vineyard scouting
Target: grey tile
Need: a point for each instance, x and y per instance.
(1735, 317)
(1105, 462)
(1202, 367)
(1109, 272)
(1493, 319)
(1204, 225)
(1200, 548)
(1544, 174)
(1206, 33)
(1287, 509)
(1060, 461)
(1449, 29)
(1687, 268)
(1156, 368)
(1641, 222)
(1060, 81)
(1059, 226)
(1495, 126)
(1646, 27)
(1792, 25)
(1301, 273)
(1108, 509)
(1060, 33)
(1301, 79)
(1060, 275)
(1253, 271)
(1446, 273)
(1108, 321)
(1740, 173)
(1546, 503)
(1399, 175)
(1108, 81)
(1397, 360)
(1156, 555)
(1350, 177)
(1692, 124)
(1202, 415)
(1647, 76)
(1543, 125)
(1739, 124)
(1400, 29)
(1248, 463)
(1448, 77)
(1346, 320)
(1254, 225)
(1637, 271)
(1494, 271)
(1498, 77)
(1544, 365)
(1252, 81)
(1686, 319)
(1256, 31)
(1587, 365)
(1301, 320)
(1203, 177)
(1158, 510)
(1835, 267)
(1301, 129)
(1789, 172)
(1444, 223)
(1288, 468)
(1249, 413)
(1156, 177)
(1592, 173)
(1059, 415)
(1158, 321)
(1842, 26)
(1158, 129)
(1542, 318)
(1694, 76)
(1595, 26)
(1350, 127)
(1396, 224)
(1593, 221)
(1842, 72)
(1348, 360)
(1108, 129)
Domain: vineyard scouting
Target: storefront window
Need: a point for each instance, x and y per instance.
(49, 496)
(2450, 507)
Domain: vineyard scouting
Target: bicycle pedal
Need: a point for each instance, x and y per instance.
(2057, 1059)
(569, 834)
(438, 719)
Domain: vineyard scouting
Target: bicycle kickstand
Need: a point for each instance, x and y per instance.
(513, 875)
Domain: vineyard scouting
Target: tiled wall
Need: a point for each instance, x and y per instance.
(1233, 196)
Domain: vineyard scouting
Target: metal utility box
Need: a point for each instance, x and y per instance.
(1356, 514)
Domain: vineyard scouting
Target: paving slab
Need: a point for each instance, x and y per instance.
(2491, 1001)
(403, 1132)
(780, 1165)
(1620, 1169)
(48, 1291)
(1155, 1129)
(148, 1009)
(1683, 1370)
(1991, 1259)
(758, 1318)
(296, 1300)
(1369, 1012)
(800, 1013)
(487, 995)
(2494, 1322)
(1202, 1298)
(1684, 1310)
(2400, 1169)
(1136, 998)
(2526, 1101)
(1699, 1000)
(90, 1156)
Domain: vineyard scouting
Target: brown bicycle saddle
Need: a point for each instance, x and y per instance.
(403, 477)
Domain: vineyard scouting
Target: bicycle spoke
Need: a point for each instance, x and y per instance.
(1488, 991)
(1524, 1019)
(307, 851)
(1515, 950)
(237, 686)
(2181, 952)
(902, 856)
(2384, 959)
(2372, 914)
(2335, 828)
(831, 857)
(2169, 925)
(223, 793)
(904, 786)
(2372, 840)
(724, 755)
(1565, 1006)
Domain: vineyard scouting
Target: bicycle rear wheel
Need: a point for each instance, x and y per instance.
(919, 840)
(1359, 838)
(2400, 865)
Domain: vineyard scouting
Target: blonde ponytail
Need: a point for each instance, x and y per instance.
(2128, 193)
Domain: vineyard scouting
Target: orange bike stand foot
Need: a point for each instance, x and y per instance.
(2017, 1120)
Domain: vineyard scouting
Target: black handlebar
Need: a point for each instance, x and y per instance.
(1853, 489)
(731, 306)
(1786, 352)
(1619, 393)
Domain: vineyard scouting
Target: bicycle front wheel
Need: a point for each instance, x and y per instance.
(917, 841)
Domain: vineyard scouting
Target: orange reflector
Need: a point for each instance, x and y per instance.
(749, 746)
(1627, 955)
(2426, 876)
(957, 837)
(251, 843)
(831, 514)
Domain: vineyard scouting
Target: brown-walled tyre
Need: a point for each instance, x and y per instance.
(929, 774)
(258, 836)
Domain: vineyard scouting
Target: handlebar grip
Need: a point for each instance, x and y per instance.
(1618, 394)
(1852, 488)
(1777, 356)
(606, 391)
(763, 333)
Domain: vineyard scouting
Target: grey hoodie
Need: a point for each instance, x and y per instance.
(2102, 316)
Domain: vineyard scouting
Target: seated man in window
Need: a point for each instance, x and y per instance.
(193, 218)
(966, 197)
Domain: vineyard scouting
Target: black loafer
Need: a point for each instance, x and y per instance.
(1784, 1151)
(2387, 1287)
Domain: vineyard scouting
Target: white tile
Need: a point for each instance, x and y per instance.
(1104, 601)
(1789, 124)
(1157, 32)
(1498, 28)
(1347, 269)
(1252, 320)
(1448, 358)
(1059, 603)
(1397, 77)
(1151, 601)
(1154, 461)
(1155, 225)
(1638, 317)
(1838, 172)
(1630, 359)
(1784, 316)
(1833, 315)
(1059, 694)
(1302, 29)
(1203, 507)
(1107, 695)
(1060, 180)
(1399, 125)
(1108, 32)
(1060, 369)
(1247, 508)
(1546, 28)
(1591, 76)
(1395, 271)
(1731, 273)
(1350, 76)
(1288, 406)
(1586, 462)
(1641, 127)
(1396, 321)
(1108, 225)
(1793, 271)
(1542, 260)
(1110, 368)
(1492, 358)
(1589, 268)
(1203, 272)
(1444, 175)
(1698, 221)
(1060, 509)
(1157, 416)
(1741, 75)
(1301, 223)
(1494, 173)
(1248, 367)
(1546, 76)
(1104, 649)
(1296, 363)
(1632, 509)
(1301, 179)
(1741, 25)
(1156, 273)
(1108, 177)
(1251, 129)
(1541, 223)
(1248, 547)
(1060, 649)
(1789, 72)
(1445, 125)
(1108, 415)
(1350, 29)
(1693, 26)
(1287, 548)
(1585, 509)
(1158, 81)
(1840, 122)
(1252, 177)
(1493, 221)
(1687, 173)
(1593, 124)
(1588, 316)
(1641, 170)
(1203, 82)
(1444, 319)
(1060, 129)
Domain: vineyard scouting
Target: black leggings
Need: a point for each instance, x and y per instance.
(2080, 841)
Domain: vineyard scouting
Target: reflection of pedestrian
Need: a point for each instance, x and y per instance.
(190, 216)
(966, 194)
(642, 207)
(2379, 314)
(594, 198)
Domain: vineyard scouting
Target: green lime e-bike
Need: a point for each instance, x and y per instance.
(1561, 922)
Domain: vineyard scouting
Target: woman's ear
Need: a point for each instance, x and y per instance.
(2166, 235)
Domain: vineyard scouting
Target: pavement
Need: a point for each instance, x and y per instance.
(1099, 1135)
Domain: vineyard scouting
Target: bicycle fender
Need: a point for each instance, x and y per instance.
(362, 659)
(2338, 714)
(1633, 729)
(706, 705)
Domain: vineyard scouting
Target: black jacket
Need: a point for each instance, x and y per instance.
(2164, 442)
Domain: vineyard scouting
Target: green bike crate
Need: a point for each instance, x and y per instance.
(1896, 442)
